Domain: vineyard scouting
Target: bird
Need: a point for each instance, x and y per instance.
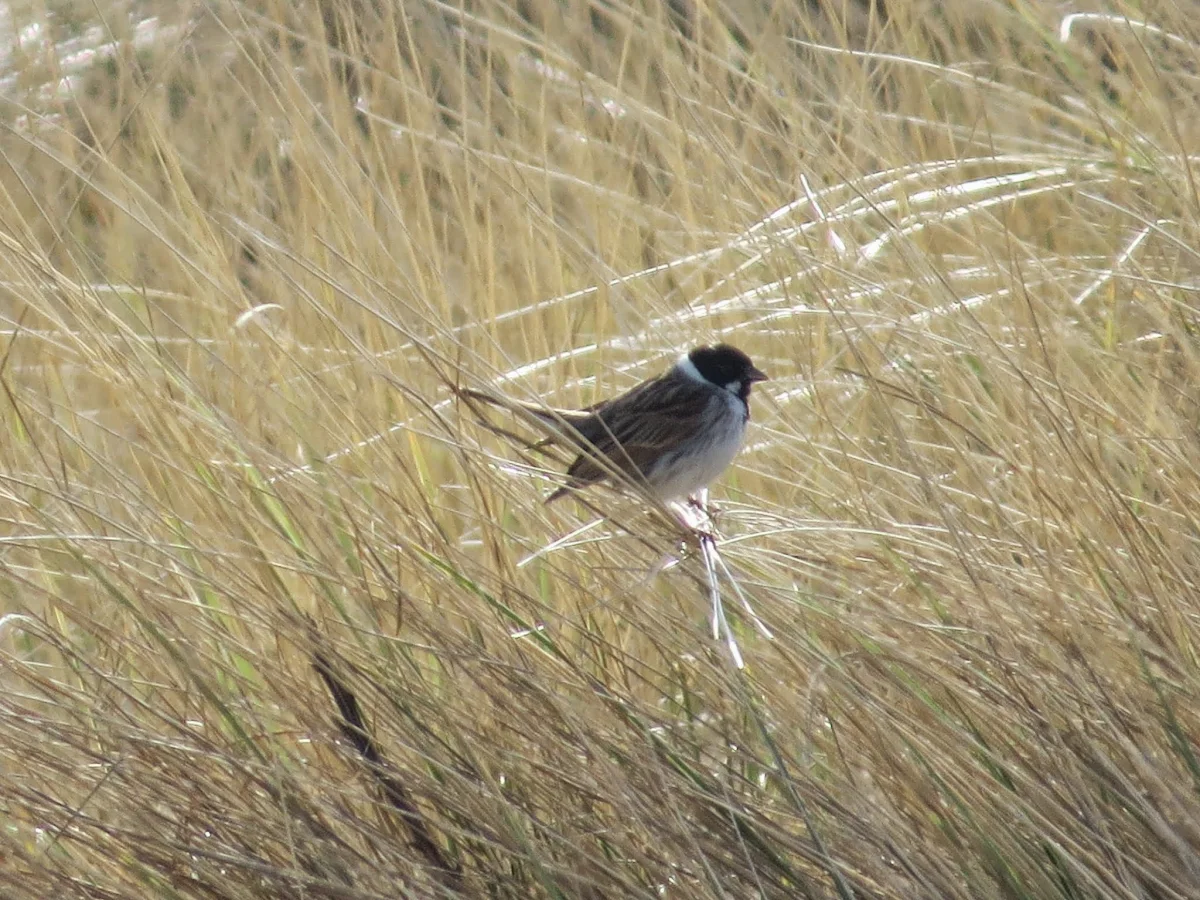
(673, 434)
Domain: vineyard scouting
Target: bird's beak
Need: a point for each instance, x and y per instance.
(755, 375)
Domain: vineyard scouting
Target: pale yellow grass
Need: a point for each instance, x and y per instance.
(247, 250)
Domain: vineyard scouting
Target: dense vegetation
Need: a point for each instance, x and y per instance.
(249, 250)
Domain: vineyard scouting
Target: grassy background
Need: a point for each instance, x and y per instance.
(246, 249)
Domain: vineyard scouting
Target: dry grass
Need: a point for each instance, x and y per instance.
(245, 252)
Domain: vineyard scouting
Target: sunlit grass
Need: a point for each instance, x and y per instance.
(249, 251)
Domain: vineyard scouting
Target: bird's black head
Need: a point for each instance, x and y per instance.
(726, 366)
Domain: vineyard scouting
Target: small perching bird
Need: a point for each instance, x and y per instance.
(673, 434)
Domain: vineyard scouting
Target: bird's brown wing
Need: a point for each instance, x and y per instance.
(632, 431)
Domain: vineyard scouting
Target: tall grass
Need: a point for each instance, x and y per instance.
(249, 249)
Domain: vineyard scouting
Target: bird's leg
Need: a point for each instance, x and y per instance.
(699, 502)
(694, 515)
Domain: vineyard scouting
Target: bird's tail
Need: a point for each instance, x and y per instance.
(557, 422)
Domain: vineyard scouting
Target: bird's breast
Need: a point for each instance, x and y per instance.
(705, 454)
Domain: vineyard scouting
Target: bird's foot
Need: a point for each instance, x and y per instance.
(697, 516)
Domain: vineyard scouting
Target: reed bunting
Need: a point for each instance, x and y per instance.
(673, 434)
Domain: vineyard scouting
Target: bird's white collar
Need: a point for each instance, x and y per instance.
(688, 368)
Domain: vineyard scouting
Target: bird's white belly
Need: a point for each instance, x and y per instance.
(702, 459)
